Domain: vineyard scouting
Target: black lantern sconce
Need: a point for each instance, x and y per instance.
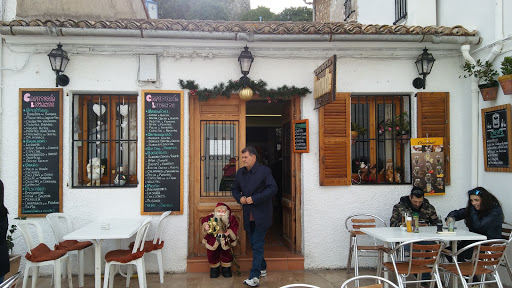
(59, 60)
(424, 65)
(245, 59)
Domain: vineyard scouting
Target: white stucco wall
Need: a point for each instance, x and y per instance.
(362, 68)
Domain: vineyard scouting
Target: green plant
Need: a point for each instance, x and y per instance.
(9, 239)
(483, 71)
(360, 129)
(506, 66)
(399, 124)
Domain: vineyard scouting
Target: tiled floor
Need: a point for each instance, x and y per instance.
(320, 278)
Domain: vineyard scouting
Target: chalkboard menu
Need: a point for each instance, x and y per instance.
(496, 138)
(162, 148)
(40, 158)
(300, 136)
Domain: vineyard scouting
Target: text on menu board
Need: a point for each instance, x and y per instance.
(40, 149)
(162, 188)
(496, 136)
(301, 136)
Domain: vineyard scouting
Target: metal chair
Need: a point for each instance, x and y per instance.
(131, 257)
(423, 257)
(379, 280)
(12, 281)
(362, 245)
(37, 249)
(299, 286)
(61, 225)
(506, 231)
(487, 255)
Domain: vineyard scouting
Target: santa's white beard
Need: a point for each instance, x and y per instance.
(224, 219)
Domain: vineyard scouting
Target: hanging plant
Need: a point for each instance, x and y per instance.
(259, 87)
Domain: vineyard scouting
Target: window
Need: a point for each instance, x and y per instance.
(380, 133)
(400, 10)
(219, 157)
(104, 140)
(348, 9)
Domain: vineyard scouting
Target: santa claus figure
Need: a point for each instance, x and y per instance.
(221, 229)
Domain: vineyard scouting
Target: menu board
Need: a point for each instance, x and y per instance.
(496, 138)
(162, 149)
(427, 156)
(301, 136)
(40, 158)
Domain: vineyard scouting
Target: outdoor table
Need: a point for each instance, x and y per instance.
(399, 234)
(96, 232)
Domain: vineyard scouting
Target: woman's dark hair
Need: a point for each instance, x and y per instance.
(487, 203)
(3, 209)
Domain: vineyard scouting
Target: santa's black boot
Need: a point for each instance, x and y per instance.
(226, 272)
(214, 272)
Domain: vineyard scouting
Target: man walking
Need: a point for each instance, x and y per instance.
(254, 187)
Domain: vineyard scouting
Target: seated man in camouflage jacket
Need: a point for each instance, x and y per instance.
(415, 202)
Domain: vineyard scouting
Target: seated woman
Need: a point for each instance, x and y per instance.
(482, 215)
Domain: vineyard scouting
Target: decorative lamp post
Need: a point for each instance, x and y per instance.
(59, 60)
(424, 64)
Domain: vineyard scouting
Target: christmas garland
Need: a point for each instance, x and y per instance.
(259, 87)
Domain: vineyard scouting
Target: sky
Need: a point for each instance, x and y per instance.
(276, 6)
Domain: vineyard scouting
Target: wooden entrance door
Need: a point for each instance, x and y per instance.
(291, 180)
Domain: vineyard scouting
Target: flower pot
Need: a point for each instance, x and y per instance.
(15, 261)
(354, 135)
(488, 92)
(506, 84)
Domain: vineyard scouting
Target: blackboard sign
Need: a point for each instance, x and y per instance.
(300, 136)
(162, 149)
(496, 138)
(40, 159)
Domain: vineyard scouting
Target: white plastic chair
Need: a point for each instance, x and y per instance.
(299, 286)
(61, 225)
(157, 241)
(138, 247)
(29, 228)
(379, 279)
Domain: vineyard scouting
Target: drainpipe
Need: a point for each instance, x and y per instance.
(496, 50)
(311, 3)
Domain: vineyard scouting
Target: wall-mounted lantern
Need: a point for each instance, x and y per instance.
(59, 60)
(424, 64)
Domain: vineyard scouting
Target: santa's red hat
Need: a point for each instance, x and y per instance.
(227, 207)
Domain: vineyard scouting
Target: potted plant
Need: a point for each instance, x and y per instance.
(399, 125)
(14, 259)
(506, 79)
(486, 78)
(357, 130)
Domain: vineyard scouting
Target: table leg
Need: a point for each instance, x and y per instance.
(455, 277)
(97, 262)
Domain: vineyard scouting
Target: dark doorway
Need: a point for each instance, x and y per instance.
(264, 131)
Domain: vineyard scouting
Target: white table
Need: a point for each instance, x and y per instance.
(119, 229)
(400, 234)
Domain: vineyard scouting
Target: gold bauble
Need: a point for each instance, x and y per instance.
(245, 93)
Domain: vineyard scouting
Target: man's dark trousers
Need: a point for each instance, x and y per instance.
(257, 239)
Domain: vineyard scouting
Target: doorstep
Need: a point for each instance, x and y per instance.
(277, 260)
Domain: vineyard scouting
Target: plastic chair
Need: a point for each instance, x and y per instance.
(61, 225)
(41, 255)
(12, 281)
(487, 255)
(362, 245)
(423, 257)
(506, 231)
(379, 279)
(155, 246)
(134, 256)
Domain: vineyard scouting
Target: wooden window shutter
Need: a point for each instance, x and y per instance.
(334, 130)
(434, 119)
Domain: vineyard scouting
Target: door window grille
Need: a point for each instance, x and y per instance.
(219, 157)
(383, 139)
(104, 140)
